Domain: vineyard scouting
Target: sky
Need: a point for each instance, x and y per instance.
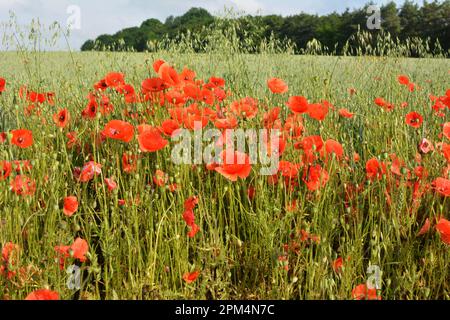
(91, 18)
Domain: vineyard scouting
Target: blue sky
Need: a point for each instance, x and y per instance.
(108, 16)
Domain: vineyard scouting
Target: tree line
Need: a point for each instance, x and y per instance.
(431, 20)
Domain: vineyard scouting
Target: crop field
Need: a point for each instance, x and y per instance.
(94, 205)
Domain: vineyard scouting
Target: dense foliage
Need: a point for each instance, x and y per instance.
(407, 22)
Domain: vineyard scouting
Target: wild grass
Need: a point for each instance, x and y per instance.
(141, 251)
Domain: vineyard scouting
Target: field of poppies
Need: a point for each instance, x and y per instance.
(92, 205)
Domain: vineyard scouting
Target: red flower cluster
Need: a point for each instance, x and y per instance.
(189, 217)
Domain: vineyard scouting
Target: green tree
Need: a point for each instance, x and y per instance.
(390, 21)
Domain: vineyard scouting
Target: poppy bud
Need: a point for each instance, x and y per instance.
(76, 227)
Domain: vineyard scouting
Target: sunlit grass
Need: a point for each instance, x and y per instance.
(141, 251)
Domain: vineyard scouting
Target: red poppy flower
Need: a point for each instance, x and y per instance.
(420, 172)
(23, 185)
(227, 123)
(195, 121)
(190, 277)
(404, 80)
(192, 91)
(36, 97)
(5, 169)
(160, 178)
(79, 249)
(445, 148)
(246, 108)
(22, 165)
(312, 143)
(345, 113)
(43, 294)
(119, 130)
(61, 118)
(234, 165)
(277, 86)
(207, 97)
(127, 90)
(111, 184)
(220, 94)
(91, 109)
(153, 85)
(157, 64)
(298, 104)
(2, 85)
(443, 227)
(288, 169)
(338, 264)
(168, 75)
(70, 205)
(151, 140)
(333, 147)
(380, 102)
(194, 230)
(129, 163)
(90, 170)
(72, 139)
(446, 130)
(169, 126)
(101, 85)
(189, 217)
(188, 75)
(414, 119)
(190, 203)
(51, 98)
(115, 79)
(375, 169)
(251, 192)
(425, 146)
(175, 97)
(425, 228)
(361, 292)
(62, 253)
(22, 138)
(442, 186)
(318, 111)
(7, 251)
(317, 177)
(397, 164)
(270, 117)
